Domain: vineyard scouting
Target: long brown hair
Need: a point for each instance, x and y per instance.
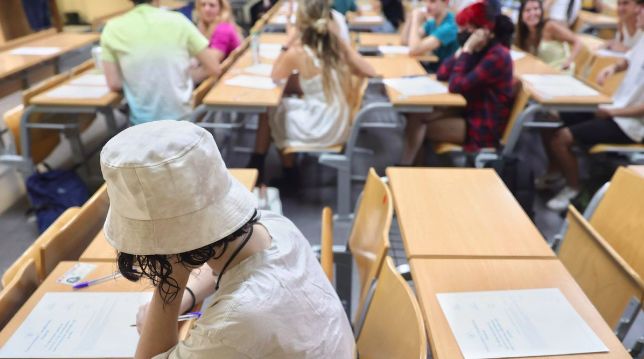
(522, 28)
(313, 21)
(225, 15)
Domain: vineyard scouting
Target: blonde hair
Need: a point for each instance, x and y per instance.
(313, 21)
(225, 15)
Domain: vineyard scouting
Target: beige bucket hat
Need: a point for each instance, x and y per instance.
(169, 190)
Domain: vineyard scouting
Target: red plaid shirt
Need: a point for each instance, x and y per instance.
(485, 80)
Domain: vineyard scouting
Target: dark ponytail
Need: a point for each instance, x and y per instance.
(503, 30)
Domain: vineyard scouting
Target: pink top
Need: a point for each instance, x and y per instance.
(225, 38)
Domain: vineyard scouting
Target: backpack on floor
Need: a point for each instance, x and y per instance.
(52, 192)
(519, 178)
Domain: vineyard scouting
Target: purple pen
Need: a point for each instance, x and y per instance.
(97, 280)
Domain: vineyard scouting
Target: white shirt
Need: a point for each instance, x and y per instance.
(559, 11)
(627, 39)
(631, 93)
(275, 304)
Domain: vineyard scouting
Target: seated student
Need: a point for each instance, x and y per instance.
(432, 31)
(546, 39)
(627, 34)
(271, 297)
(481, 71)
(325, 64)
(564, 12)
(215, 21)
(344, 6)
(620, 122)
(146, 52)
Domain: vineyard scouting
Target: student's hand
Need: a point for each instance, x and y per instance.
(604, 74)
(140, 316)
(566, 65)
(419, 15)
(604, 113)
(477, 41)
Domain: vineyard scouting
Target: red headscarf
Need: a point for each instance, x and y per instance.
(476, 14)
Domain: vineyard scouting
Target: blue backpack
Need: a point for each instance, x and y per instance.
(52, 192)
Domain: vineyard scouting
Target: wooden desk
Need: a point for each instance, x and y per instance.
(432, 276)
(425, 103)
(50, 285)
(376, 39)
(592, 42)
(461, 213)
(389, 67)
(44, 99)
(638, 169)
(593, 20)
(589, 102)
(12, 64)
(530, 64)
(101, 251)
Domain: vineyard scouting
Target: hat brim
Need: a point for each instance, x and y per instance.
(184, 233)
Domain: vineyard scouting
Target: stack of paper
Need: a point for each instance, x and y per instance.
(270, 51)
(90, 80)
(79, 325)
(559, 86)
(517, 55)
(259, 69)
(370, 19)
(35, 51)
(517, 323)
(78, 92)
(416, 86)
(610, 53)
(255, 82)
(393, 50)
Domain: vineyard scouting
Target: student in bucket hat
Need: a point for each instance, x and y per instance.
(178, 218)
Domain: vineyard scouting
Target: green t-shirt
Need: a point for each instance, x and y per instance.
(152, 47)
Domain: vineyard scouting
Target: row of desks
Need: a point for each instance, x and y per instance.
(463, 231)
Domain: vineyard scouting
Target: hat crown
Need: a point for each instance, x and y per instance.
(163, 169)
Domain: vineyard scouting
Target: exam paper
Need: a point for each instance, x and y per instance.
(79, 325)
(368, 19)
(90, 80)
(256, 82)
(35, 51)
(416, 86)
(269, 51)
(559, 86)
(78, 92)
(393, 50)
(517, 323)
(260, 69)
(517, 55)
(610, 53)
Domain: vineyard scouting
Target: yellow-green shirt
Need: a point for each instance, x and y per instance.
(152, 47)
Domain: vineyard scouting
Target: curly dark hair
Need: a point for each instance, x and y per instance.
(158, 267)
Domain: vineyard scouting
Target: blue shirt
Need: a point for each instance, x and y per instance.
(446, 33)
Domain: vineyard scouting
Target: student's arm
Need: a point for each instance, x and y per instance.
(160, 331)
(113, 76)
(358, 65)
(630, 111)
(406, 28)
(284, 65)
(610, 70)
(563, 34)
(209, 60)
(418, 42)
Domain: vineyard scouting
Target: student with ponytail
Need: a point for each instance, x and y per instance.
(325, 64)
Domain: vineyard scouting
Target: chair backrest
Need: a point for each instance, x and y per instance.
(70, 242)
(520, 101)
(326, 243)
(43, 141)
(16, 292)
(619, 217)
(612, 83)
(394, 326)
(27, 38)
(33, 252)
(582, 60)
(607, 280)
(369, 238)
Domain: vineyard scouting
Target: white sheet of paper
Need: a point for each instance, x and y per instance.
(368, 19)
(610, 53)
(270, 51)
(35, 51)
(365, 7)
(78, 92)
(281, 19)
(393, 50)
(79, 325)
(76, 273)
(256, 82)
(259, 69)
(517, 55)
(559, 86)
(416, 86)
(90, 80)
(517, 323)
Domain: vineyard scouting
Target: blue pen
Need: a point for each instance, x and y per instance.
(97, 280)
(184, 317)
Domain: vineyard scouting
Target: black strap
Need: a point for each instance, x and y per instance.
(243, 243)
(194, 300)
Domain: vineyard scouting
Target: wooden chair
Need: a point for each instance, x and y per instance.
(619, 217)
(16, 292)
(326, 238)
(70, 242)
(612, 83)
(33, 252)
(605, 277)
(394, 326)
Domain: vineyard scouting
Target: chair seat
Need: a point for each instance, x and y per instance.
(605, 147)
(312, 149)
(445, 147)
